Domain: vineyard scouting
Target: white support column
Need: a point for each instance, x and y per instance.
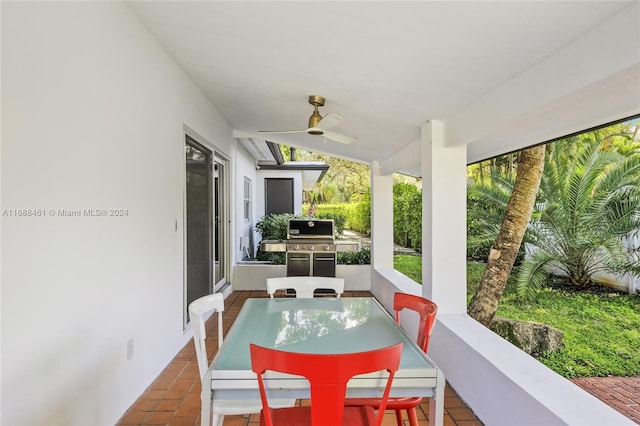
(381, 218)
(444, 206)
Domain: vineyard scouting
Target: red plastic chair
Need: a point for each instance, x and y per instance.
(427, 311)
(328, 375)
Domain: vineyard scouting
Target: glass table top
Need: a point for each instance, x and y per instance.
(318, 325)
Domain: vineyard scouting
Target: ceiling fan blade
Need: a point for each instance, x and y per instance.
(282, 131)
(329, 121)
(338, 137)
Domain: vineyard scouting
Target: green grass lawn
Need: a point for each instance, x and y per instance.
(601, 331)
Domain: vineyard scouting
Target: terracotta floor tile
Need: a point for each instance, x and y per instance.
(448, 391)
(168, 405)
(235, 421)
(421, 411)
(188, 410)
(153, 394)
(159, 418)
(453, 402)
(192, 399)
(175, 394)
(133, 418)
(182, 384)
(461, 414)
(448, 421)
(160, 384)
(185, 421)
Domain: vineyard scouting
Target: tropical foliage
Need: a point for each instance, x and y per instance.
(589, 202)
(601, 329)
(274, 226)
(360, 218)
(407, 215)
(344, 182)
(486, 203)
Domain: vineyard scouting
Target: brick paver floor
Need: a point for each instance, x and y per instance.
(621, 393)
(173, 399)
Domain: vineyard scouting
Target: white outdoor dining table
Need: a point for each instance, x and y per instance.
(319, 325)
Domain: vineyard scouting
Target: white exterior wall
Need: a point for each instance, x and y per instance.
(93, 110)
(244, 167)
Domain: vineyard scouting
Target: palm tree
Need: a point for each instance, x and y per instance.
(590, 202)
(587, 206)
(503, 253)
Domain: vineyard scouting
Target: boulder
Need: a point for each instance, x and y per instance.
(532, 337)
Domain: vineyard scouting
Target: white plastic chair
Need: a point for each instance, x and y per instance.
(221, 407)
(305, 286)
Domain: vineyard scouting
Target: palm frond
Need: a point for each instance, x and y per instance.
(533, 274)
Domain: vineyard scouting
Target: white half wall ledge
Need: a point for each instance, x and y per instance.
(505, 386)
(500, 383)
(249, 276)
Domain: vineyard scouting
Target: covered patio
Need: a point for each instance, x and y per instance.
(174, 396)
(100, 98)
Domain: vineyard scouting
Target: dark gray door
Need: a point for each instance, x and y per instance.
(278, 195)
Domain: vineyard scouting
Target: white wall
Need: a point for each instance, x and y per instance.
(244, 167)
(252, 276)
(93, 112)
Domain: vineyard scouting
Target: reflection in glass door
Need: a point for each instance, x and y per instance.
(199, 253)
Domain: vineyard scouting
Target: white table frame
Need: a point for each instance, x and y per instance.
(421, 378)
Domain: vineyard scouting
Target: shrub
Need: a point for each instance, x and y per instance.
(360, 219)
(362, 257)
(338, 219)
(478, 241)
(273, 227)
(407, 215)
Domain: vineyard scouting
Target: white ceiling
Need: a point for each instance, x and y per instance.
(481, 67)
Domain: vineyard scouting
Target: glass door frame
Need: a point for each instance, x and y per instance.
(225, 185)
(223, 208)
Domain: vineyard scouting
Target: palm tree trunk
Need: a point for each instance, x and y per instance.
(503, 254)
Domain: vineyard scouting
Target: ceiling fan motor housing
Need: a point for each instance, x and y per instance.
(313, 121)
(315, 118)
(316, 100)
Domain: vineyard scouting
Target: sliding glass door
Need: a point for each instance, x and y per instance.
(206, 223)
(198, 226)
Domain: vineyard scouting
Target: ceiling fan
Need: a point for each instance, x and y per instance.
(319, 125)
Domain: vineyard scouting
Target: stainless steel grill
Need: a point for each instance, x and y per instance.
(311, 249)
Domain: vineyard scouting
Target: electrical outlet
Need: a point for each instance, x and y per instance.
(129, 349)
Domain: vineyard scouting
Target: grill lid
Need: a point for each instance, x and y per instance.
(310, 228)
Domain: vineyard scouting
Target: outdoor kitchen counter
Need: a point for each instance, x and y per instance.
(281, 246)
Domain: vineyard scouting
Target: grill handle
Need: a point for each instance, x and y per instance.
(305, 258)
